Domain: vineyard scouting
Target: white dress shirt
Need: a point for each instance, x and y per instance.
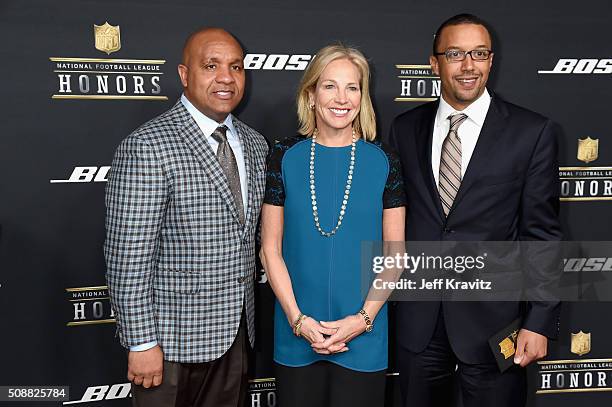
(208, 126)
(468, 131)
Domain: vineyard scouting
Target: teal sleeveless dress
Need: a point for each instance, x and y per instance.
(326, 271)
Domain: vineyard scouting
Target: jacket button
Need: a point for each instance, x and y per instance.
(241, 279)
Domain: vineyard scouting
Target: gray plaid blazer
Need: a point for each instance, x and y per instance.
(179, 264)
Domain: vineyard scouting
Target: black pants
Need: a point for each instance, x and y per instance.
(219, 383)
(436, 378)
(327, 384)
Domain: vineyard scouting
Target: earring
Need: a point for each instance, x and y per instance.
(311, 106)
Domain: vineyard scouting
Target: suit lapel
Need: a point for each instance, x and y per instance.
(423, 143)
(196, 140)
(489, 134)
(249, 163)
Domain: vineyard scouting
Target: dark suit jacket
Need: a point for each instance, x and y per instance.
(510, 192)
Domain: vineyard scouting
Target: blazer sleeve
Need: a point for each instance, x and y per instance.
(539, 221)
(136, 198)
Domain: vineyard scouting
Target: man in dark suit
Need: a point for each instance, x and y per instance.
(508, 192)
(183, 199)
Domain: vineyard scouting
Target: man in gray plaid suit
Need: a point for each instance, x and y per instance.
(183, 200)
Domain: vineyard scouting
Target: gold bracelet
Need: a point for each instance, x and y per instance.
(297, 324)
(368, 321)
(298, 328)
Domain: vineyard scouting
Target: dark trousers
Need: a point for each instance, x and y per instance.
(436, 378)
(323, 384)
(219, 383)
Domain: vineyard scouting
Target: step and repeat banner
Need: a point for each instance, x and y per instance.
(78, 76)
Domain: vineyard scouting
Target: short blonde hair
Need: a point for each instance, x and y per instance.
(365, 121)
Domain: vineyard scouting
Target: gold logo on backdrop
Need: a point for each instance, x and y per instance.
(588, 149)
(506, 347)
(108, 38)
(417, 83)
(581, 343)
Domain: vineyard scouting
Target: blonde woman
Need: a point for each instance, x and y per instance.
(328, 190)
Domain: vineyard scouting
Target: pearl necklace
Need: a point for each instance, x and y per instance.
(347, 189)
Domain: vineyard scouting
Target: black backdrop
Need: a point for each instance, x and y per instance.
(61, 121)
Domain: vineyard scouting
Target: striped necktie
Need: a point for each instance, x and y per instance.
(450, 163)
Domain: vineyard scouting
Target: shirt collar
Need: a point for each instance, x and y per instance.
(205, 123)
(476, 111)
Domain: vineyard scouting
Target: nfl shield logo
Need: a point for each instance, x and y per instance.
(588, 149)
(506, 348)
(108, 37)
(581, 343)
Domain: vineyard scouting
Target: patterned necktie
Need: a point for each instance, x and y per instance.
(227, 160)
(450, 163)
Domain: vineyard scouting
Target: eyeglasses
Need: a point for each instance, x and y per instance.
(456, 55)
